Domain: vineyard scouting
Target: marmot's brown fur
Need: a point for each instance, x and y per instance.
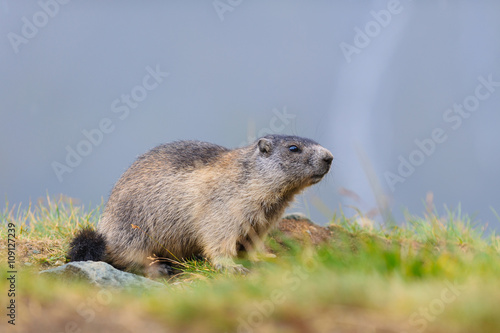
(192, 198)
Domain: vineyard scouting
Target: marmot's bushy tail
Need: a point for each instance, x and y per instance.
(88, 244)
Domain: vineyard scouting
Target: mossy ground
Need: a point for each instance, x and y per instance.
(430, 274)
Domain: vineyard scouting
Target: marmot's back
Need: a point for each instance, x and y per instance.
(183, 155)
(196, 198)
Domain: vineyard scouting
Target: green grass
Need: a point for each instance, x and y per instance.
(431, 273)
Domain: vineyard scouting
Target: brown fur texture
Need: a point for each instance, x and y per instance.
(191, 198)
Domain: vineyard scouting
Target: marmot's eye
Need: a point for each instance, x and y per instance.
(294, 149)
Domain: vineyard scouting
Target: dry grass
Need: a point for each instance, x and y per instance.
(359, 279)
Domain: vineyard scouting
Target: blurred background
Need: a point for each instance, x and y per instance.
(406, 94)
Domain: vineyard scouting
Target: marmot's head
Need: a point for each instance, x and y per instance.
(292, 162)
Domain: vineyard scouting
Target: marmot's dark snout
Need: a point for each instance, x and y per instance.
(326, 159)
(322, 165)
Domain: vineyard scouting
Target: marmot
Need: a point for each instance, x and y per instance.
(192, 198)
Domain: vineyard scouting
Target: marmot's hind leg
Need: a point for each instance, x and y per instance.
(158, 269)
(130, 260)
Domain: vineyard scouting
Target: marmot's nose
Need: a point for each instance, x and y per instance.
(328, 158)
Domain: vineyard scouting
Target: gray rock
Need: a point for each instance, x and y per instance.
(296, 217)
(102, 275)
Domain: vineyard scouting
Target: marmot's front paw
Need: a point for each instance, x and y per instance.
(234, 269)
(230, 267)
(239, 269)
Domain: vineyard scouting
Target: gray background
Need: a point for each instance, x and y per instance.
(229, 75)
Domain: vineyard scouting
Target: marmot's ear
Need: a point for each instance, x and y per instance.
(265, 145)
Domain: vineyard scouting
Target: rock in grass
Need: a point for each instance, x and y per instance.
(301, 229)
(296, 217)
(102, 275)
